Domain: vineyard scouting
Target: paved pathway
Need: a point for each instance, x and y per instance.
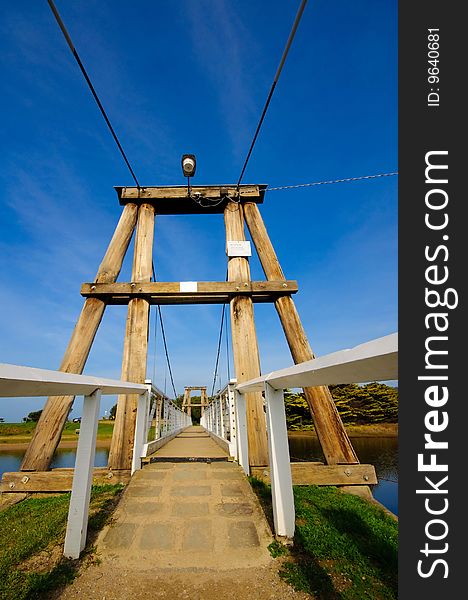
(185, 530)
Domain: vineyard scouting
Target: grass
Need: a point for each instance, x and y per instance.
(11, 433)
(31, 542)
(344, 547)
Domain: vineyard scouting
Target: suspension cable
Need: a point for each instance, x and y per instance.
(219, 349)
(272, 89)
(154, 345)
(227, 348)
(302, 185)
(91, 87)
(164, 338)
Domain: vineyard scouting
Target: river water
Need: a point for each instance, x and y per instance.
(380, 452)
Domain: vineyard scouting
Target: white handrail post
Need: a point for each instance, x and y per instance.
(243, 442)
(232, 421)
(280, 465)
(77, 524)
(157, 428)
(221, 411)
(141, 431)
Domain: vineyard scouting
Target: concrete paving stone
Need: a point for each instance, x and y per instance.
(143, 508)
(138, 491)
(159, 466)
(188, 474)
(151, 475)
(120, 535)
(222, 464)
(192, 466)
(158, 536)
(191, 490)
(232, 509)
(190, 509)
(224, 474)
(243, 534)
(198, 536)
(231, 489)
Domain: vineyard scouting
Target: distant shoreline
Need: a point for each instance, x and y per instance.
(65, 445)
(373, 430)
(383, 430)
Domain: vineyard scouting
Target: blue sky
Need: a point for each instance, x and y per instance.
(192, 76)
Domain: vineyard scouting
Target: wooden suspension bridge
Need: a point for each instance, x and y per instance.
(244, 424)
(186, 491)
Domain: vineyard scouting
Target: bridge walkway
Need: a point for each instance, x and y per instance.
(185, 530)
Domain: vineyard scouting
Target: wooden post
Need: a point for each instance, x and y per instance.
(203, 401)
(54, 415)
(135, 345)
(336, 445)
(186, 404)
(244, 339)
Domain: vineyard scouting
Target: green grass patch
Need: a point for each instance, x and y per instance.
(31, 542)
(344, 547)
(10, 431)
(17, 428)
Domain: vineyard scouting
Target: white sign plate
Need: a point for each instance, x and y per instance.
(188, 286)
(241, 248)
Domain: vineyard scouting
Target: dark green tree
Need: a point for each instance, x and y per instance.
(356, 404)
(33, 416)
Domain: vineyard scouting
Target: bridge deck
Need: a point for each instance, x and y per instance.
(194, 442)
(185, 530)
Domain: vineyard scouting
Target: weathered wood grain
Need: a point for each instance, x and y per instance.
(311, 473)
(336, 445)
(54, 415)
(244, 340)
(57, 480)
(135, 344)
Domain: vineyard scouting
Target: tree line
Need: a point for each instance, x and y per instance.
(356, 404)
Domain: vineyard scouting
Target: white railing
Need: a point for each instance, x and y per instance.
(373, 361)
(158, 411)
(220, 419)
(16, 381)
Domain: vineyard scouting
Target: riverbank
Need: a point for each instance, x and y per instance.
(362, 431)
(20, 441)
(16, 436)
(64, 445)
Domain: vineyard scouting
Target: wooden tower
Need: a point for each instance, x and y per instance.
(239, 206)
(187, 401)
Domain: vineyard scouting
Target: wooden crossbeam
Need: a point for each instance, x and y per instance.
(201, 292)
(206, 199)
(315, 473)
(57, 480)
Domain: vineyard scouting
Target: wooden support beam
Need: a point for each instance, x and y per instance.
(169, 200)
(336, 445)
(201, 292)
(54, 415)
(57, 480)
(312, 473)
(187, 402)
(135, 344)
(244, 340)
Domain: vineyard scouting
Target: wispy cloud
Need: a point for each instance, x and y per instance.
(225, 48)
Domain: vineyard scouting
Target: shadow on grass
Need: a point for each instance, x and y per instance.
(302, 571)
(344, 547)
(369, 542)
(35, 568)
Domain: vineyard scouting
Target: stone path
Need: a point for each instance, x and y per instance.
(185, 530)
(194, 442)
